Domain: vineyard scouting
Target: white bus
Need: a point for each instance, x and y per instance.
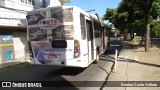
(65, 36)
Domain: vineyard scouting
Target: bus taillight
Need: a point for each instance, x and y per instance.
(76, 49)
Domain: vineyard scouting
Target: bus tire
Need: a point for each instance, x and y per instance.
(97, 57)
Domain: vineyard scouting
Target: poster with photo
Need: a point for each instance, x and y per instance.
(64, 32)
(37, 34)
(68, 14)
(57, 13)
(63, 15)
(45, 54)
(39, 51)
(34, 17)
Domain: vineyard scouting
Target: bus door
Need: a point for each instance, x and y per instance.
(90, 40)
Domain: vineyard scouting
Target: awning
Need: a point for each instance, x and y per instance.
(13, 28)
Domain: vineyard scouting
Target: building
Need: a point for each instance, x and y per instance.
(13, 20)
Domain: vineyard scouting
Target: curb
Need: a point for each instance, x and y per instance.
(11, 63)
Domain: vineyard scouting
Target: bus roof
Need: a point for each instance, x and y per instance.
(77, 9)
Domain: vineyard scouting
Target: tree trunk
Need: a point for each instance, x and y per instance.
(124, 34)
(132, 35)
(147, 40)
(147, 15)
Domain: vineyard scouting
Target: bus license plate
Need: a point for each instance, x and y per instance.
(51, 56)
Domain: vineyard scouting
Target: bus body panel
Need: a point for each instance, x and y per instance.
(50, 28)
(44, 53)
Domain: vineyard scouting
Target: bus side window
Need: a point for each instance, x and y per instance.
(96, 29)
(83, 29)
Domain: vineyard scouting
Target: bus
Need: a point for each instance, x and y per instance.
(65, 36)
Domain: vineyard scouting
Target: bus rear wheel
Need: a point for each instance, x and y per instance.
(97, 57)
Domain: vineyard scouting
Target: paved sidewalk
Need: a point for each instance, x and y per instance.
(136, 65)
(14, 62)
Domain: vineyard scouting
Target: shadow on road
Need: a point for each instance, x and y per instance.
(27, 72)
(134, 61)
(70, 71)
(107, 58)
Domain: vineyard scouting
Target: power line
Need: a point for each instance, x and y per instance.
(91, 4)
(91, 10)
(88, 5)
(84, 4)
(11, 18)
(22, 11)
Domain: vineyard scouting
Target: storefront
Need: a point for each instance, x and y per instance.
(14, 42)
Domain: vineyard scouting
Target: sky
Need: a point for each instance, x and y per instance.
(100, 6)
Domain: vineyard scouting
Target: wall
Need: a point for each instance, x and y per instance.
(12, 18)
(13, 13)
(20, 42)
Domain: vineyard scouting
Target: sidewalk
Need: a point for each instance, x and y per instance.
(136, 65)
(14, 62)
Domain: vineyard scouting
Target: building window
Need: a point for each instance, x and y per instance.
(83, 29)
(26, 1)
(22, 1)
(33, 2)
(30, 2)
(2, 3)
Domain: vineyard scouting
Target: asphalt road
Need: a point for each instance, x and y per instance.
(156, 40)
(95, 72)
(28, 72)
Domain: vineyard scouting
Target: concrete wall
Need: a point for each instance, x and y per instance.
(20, 42)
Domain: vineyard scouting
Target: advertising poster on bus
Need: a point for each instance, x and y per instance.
(47, 27)
(35, 16)
(45, 54)
(37, 34)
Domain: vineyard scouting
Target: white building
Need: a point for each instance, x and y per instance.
(13, 20)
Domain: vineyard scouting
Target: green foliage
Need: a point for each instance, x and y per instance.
(155, 12)
(133, 15)
(108, 27)
(138, 27)
(110, 14)
(156, 30)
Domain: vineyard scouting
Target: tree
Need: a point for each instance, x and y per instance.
(155, 13)
(110, 14)
(155, 28)
(119, 20)
(145, 6)
(135, 16)
(126, 15)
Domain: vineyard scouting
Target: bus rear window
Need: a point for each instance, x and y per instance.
(63, 33)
